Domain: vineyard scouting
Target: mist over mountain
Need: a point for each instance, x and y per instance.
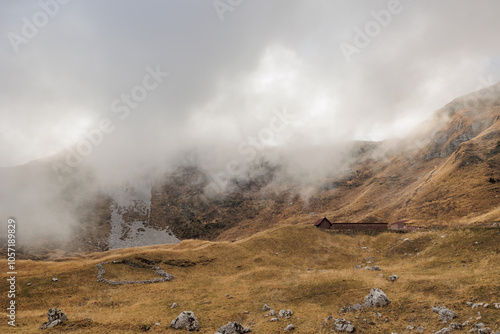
(445, 173)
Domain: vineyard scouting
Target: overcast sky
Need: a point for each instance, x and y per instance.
(232, 65)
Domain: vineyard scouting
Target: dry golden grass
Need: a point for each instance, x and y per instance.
(447, 271)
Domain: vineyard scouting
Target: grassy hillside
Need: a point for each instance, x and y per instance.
(295, 267)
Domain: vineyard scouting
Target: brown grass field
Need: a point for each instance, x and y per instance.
(312, 275)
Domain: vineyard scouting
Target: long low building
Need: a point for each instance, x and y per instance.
(359, 226)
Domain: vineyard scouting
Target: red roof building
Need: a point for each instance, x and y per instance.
(323, 223)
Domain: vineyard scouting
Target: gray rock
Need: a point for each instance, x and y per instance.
(420, 329)
(374, 268)
(54, 279)
(455, 325)
(266, 308)
(174, 305)
(342, 325)
(445, 330)
(410, 327)
(274, 319)
(287, 314)
(357, 267)
(233, 328)
(376, 297)
(445, 314)
(497, 305)
(272, 313)
(352, 308)
(477, 305)
(54, 318)
(186, 320)
(481, 328)
(393, 278)
(289, 328)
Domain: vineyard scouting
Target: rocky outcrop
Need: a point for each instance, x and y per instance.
(351, 308)
(445, 330)
(186, 320)
(266, 308)
(287, 314)
(233, 328)
(445, 314)
(376, 297)
(342, 325)
(54, 318)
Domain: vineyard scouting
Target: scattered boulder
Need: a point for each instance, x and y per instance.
(455, 325)
(445, 314)
(289, 328)
(287, 314)
(358, 267)
(54, 279)
(481, 328)
(374, 268)
(54, 318)
(274, 319)
(233, 328)
(376, 297)
(352, 308)
(342, 325)
(266, 308)
(186, 320)
(393, 278)
(174, 305)
(445, 330)
(272, 313)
